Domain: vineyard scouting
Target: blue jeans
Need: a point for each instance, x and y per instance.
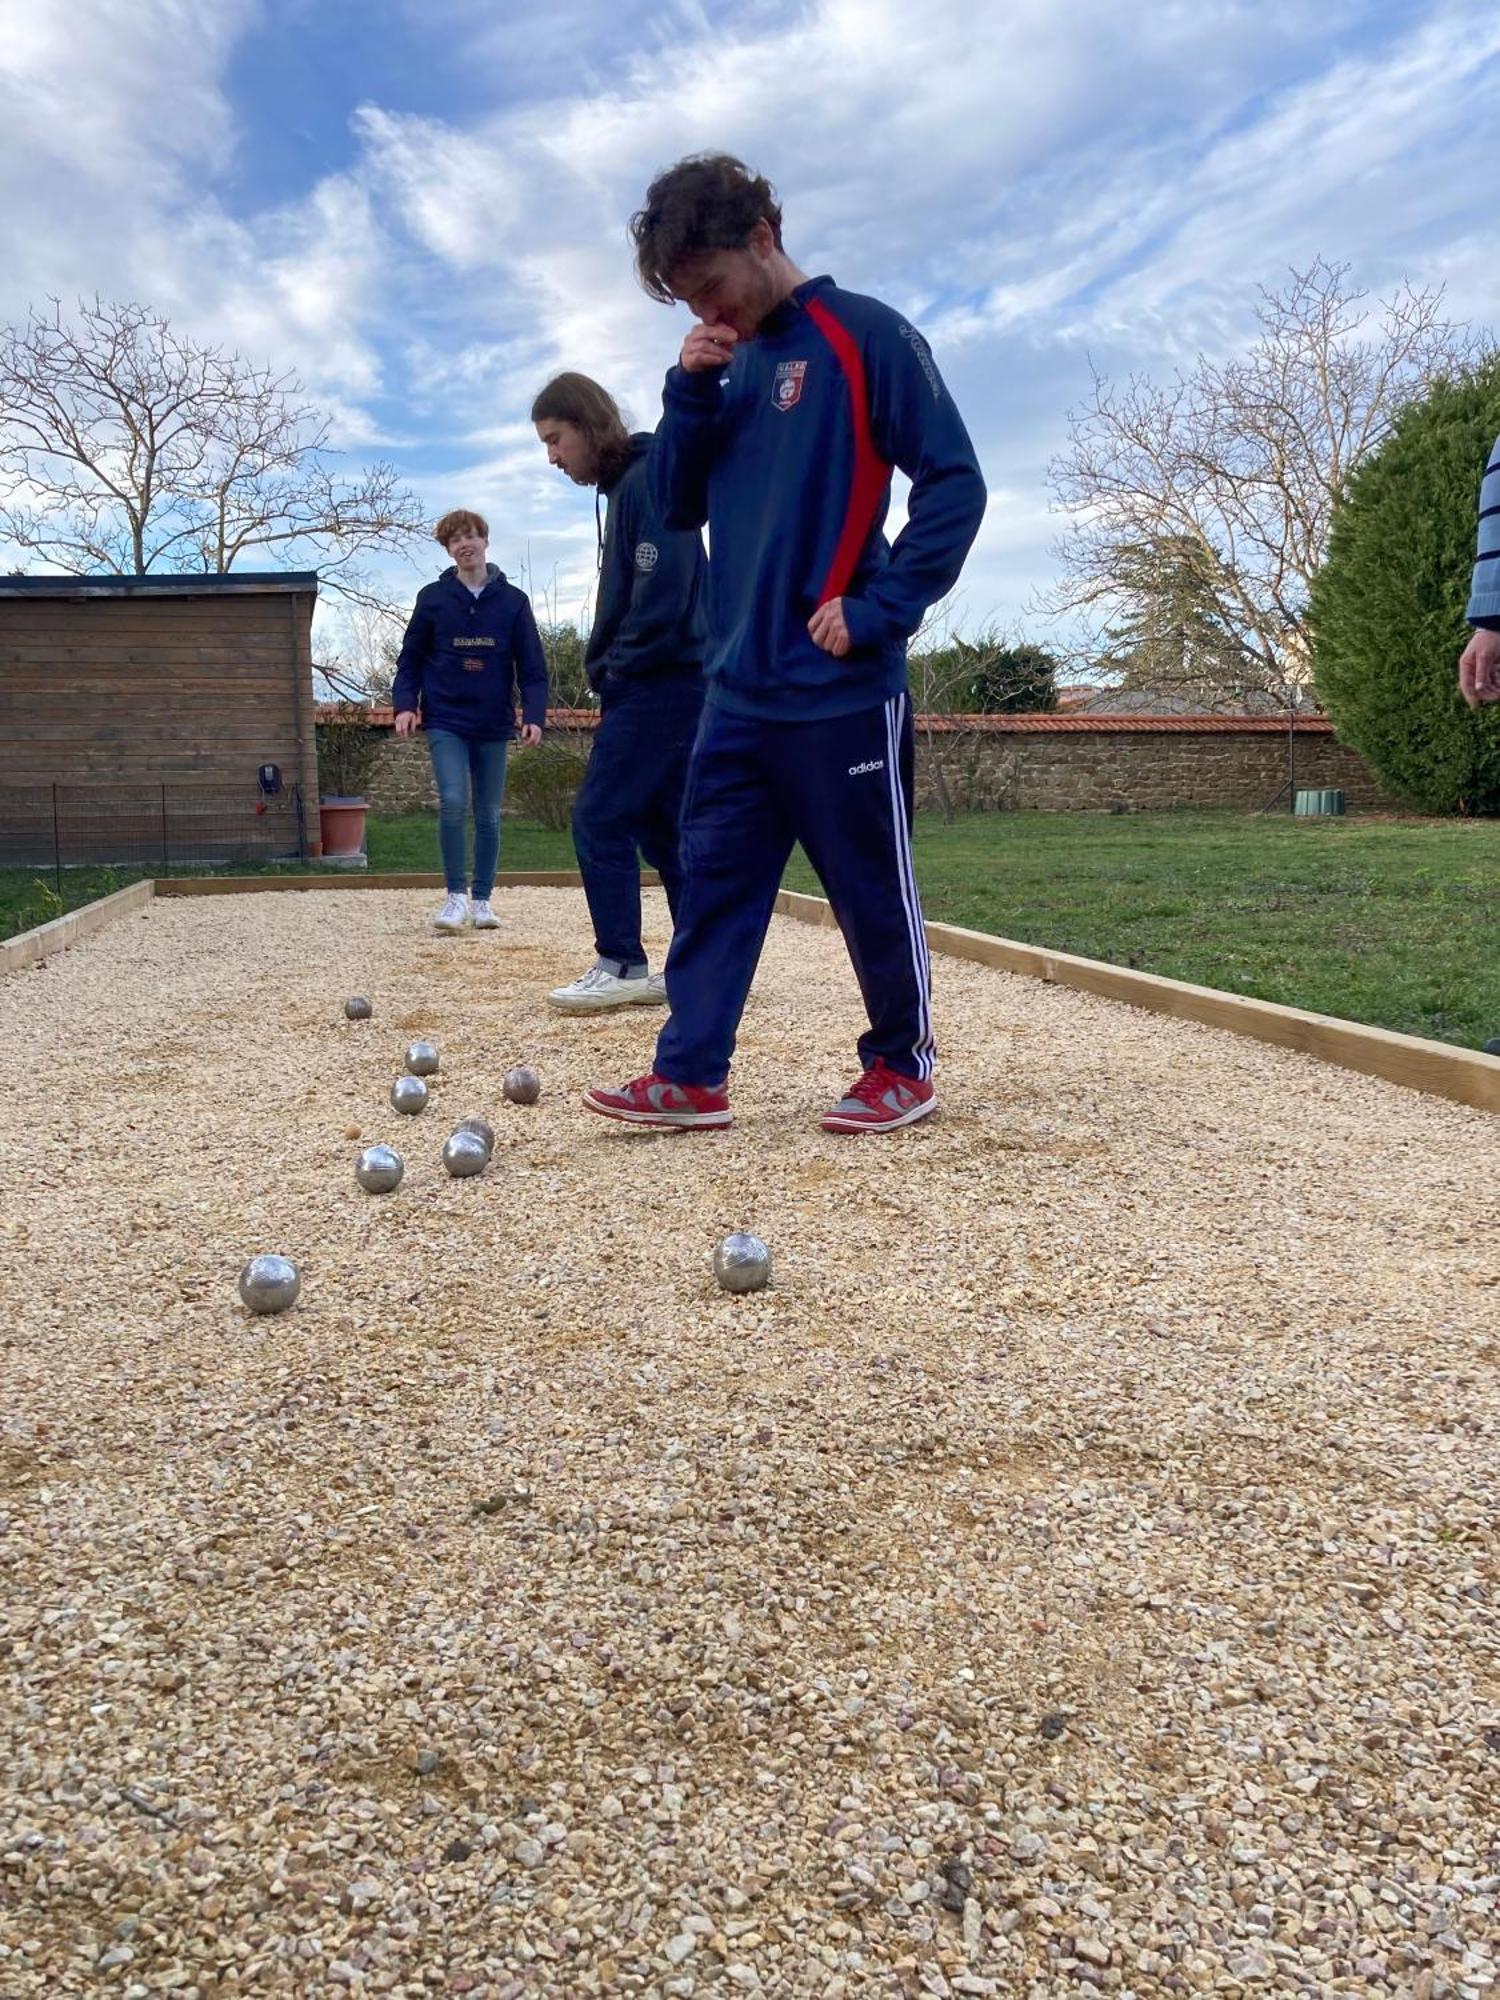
(631, 798)
(463, 767)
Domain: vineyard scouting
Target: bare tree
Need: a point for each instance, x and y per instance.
(1230, 474)
(125, 447)
(359, 651)
(564, 640)
(938, 679)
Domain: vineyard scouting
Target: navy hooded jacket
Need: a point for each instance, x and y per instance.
(649, 618)
(464, 657)
(787, 455)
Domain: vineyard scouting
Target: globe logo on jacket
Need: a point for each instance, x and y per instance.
(786, 390)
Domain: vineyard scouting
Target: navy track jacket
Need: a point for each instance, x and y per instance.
(787, 455)
(463, 658)
(649, 618)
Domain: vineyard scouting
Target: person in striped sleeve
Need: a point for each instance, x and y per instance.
(1479, 665)
(790, 405)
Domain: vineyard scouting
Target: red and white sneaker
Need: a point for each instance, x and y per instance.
(653, 1100)
(881, 1100)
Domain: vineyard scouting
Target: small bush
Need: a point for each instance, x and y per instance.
(41, 906)
(541, 784)
(347, 750)
(983, 676)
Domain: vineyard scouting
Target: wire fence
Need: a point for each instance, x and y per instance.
(167, 827)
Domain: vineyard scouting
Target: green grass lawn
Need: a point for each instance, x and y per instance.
(30, 896)
(411, 844)
(1392, 922)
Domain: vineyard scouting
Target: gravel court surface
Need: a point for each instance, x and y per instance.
(1075, 1574)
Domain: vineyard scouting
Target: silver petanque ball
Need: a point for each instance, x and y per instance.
(409, 1094)
(422, 1059)
(379, 1169)
(465, 1153)
(742, 1263)
(270, 1284)
(522, 1084)
(358, 1008)
(481, 1128)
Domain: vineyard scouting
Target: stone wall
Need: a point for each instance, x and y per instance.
(1045, 764)
(1133, 771)
(402, 779)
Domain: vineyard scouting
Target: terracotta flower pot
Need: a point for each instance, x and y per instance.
(343, 827)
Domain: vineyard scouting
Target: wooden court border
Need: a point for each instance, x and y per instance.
(1464, 1076)
(33, 946)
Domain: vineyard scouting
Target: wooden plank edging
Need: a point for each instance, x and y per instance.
(1466, 1076)
(250, 885)
(31, 947)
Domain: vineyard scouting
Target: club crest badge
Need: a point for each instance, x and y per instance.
(786, 390)
(646, 554)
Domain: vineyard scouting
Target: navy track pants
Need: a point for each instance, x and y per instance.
(631, 797)
(842, 787)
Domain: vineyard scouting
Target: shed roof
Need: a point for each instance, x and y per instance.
(238, 583)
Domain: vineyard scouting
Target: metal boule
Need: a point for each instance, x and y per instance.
(465, 1153)
(742, 1262)
(409, 1095)
(481, 1128)
(522, 1085)
(379, 1169)
(358, 1008)
(422, 1058)
(270, 1284)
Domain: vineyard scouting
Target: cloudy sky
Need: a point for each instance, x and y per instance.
(420, 204)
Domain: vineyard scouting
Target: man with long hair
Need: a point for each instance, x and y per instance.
(645, 662)
(791, 403)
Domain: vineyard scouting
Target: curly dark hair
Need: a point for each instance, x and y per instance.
(709, 201)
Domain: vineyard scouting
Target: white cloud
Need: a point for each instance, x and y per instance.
(121, 92)
(1030, 182)
(1365, 162)
(114, 124)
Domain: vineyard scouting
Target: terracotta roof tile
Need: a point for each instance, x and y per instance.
(1124, 725)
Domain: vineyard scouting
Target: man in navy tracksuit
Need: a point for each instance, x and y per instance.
(791, 404)
(645, 663)
(470, 646)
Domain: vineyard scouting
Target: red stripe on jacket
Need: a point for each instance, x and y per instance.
(872, 476)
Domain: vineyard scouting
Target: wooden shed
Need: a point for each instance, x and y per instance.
(157, 717)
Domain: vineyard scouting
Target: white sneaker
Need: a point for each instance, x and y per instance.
(599, 989)
(657, 981)
(451, 916)
(484, 917)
